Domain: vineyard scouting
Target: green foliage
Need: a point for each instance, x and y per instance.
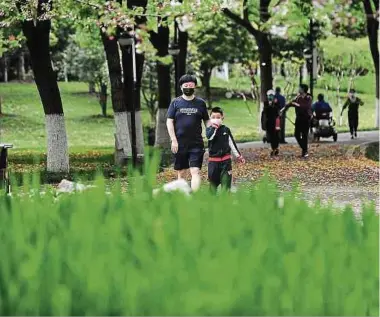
(149, 89)
(85, 58)
(94, 253)
(218, 40)
(346, 53)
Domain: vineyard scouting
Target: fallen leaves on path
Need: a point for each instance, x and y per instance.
(327, 164)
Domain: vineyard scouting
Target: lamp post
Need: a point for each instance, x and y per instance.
(174, 51)
(313, 29)
(126, 41)
(308, 55)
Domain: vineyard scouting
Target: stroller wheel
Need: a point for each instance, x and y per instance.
(265, 139)
(335, 137)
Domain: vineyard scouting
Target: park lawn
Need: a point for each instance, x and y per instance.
(23, 120)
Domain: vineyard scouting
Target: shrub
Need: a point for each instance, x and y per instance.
(94, 253)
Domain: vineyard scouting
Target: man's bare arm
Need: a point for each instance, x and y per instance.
(173, 138)
(171, 130)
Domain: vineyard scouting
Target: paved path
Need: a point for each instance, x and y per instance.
(343, 138)
(339, 196)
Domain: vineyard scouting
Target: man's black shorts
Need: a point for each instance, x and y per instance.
(188, 157)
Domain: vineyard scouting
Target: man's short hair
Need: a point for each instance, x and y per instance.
(320, 97)
(187, 78)
(217, 110)
(304, 87)
(278, 89)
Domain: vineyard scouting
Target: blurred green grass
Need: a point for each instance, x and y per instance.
(100, 254)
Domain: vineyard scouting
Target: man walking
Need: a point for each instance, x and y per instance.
(282, 103)
(184, 123)
(302, 104)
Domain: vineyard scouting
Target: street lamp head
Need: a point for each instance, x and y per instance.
(173, 49)
(307, 54)
(125, 41)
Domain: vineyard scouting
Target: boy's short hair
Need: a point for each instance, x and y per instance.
(304, 87)
(217, 110)
(187, 78)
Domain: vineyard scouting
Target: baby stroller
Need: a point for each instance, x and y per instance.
(324, 126)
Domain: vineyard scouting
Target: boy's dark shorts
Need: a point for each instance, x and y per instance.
(187, 157)
(220, 173)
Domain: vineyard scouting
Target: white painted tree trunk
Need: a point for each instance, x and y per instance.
(261, 108)
(377, 113)
(57, 147)
(139, 132)
(162, 135)
(122, 137)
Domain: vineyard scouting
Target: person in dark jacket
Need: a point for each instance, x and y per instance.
(353, 102)
(302, 104)
(282, 101)
(272, 117)
(321, 105)
(221, 147)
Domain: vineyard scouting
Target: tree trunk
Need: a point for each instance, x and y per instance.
(103, 99)
(266, 78)
(372, 31)
(206, 79)
(183, 38)
(91, 88)
(37, 39)
(161, 43)
(122, 138)
(21, 66)
(164, 99)
(5, 68)
(128, 93)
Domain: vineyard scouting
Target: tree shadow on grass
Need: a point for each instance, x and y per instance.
(93, 118)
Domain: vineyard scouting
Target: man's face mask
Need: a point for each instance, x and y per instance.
(271, 98)
(188, 89)
(351, 95)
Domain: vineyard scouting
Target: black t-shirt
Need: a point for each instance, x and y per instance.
(188, 116)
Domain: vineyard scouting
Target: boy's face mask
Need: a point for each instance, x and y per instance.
(216, 121)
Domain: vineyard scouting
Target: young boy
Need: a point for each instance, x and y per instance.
(220, 145)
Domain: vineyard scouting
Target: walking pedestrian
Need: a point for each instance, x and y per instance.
(282, 102)
(302, 104)
(353, 102)
(272, 117)
(184, 123)
(221, 148)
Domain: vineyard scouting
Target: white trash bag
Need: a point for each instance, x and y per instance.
(66, 186)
